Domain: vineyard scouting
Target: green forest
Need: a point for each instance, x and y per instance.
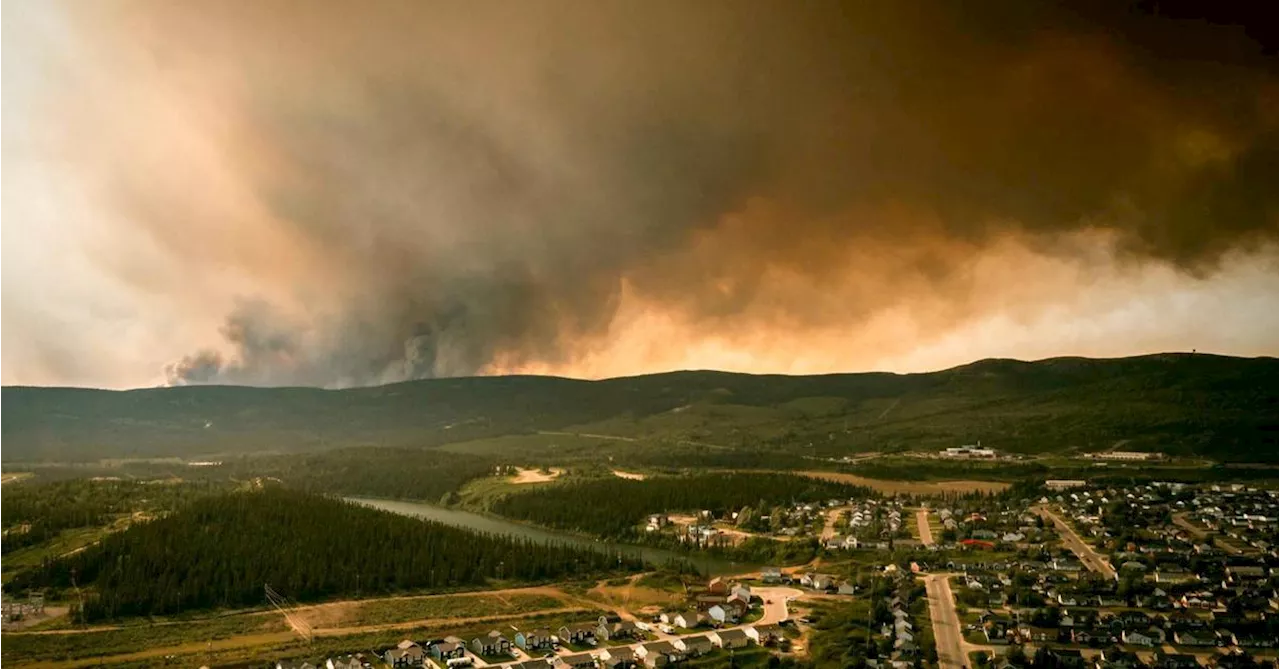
(614, 506)
(32, 513)
(399, 473)
(219, 552)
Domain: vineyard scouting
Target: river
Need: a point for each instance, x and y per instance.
(491, 525)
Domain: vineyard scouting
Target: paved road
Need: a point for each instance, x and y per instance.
(922, 526)
(1084, 551)
(947, 633)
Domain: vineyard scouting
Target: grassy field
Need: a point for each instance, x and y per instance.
(914, 488)
(255, 635)
(67, 541)
(377, 612)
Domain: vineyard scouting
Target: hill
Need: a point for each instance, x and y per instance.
(1194, 405)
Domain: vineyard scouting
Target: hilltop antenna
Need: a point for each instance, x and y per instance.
(287, 608)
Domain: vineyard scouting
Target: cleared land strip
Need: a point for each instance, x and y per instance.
(922, 526)
(947, 633)
(1084, 551)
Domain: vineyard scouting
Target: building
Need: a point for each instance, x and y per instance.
(1064, 484)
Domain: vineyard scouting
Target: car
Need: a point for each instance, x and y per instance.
(768, 601)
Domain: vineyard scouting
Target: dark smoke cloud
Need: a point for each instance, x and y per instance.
(469, 183)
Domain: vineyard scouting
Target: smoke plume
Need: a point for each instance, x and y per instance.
(419, 189)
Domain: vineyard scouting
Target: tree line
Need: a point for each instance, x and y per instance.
(614, 507)
(221, 550)
(32, 513)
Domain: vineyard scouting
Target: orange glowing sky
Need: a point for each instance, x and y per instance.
(320, 193)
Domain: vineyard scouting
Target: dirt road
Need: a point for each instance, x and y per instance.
(833, 515)
(1084, 551)
(922, 526)
(947, 633)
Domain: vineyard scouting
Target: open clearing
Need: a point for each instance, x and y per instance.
(923, 488)
(535, 475)
(14, 476)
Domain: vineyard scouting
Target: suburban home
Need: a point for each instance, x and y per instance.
(492, 643)
(718, 586)
(294, 664)
(721, 614)
(687, 619)
(624, 629)
(528, 664)
(577, 633)
(620, 657)
(1175, 661)
(1120, 659)
(1067, 659)
(706, 601)
(576, 661)
(343, 662)
(734, 638)
(446, 650)
(823, 582)
(695, 645)
(845, 588)
(738, 606)
(658, 653)
(1135, 638)
(764, 634)
(405, 654)
(741, 590)
(538, 639)
(771, 575)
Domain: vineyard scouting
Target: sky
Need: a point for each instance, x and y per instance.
(337, 194)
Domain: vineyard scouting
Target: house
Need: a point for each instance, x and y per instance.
(1119, 659)
(294, 664)
(577, 633)
(695, 645)
(823, 582)
(492, 643)
(658, 653)
(619, 657)
(764, 634)
(718, 586)
(576, 661)
(1195, 638)
(1134, 638)
(738, 606)
(733, 638)
(405, 654)
(528, 664)
(845, 588)
(449, 648)
(1066, 659)
(740, 590)
(721, 614)
(1165, 660)
(534, 640)
(624, 629)
(687, 619)
(771, 575)
(343, 662)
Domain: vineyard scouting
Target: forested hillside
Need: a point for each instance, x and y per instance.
(219, 551)
(613, 507)
(1203, 405)
(34, 513)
